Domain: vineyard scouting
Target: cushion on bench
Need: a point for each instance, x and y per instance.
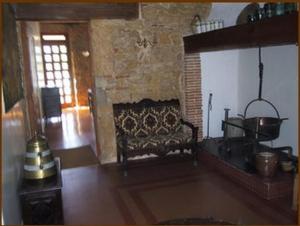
(139, 143)
(142, 121)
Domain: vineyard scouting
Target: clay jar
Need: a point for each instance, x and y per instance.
(266, 163)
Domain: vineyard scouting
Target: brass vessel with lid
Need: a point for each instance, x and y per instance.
(39, 161)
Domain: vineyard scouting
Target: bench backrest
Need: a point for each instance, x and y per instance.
(147, 117)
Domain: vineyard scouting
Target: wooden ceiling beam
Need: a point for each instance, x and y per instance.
(75, 11)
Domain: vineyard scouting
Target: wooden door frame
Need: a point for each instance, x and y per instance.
(34, 125)
(93, 83)
(67, 43)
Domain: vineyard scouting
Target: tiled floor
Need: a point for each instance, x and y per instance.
(154, 191)
(161, 191)
(73, 129)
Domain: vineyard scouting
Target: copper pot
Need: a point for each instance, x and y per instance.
(266, 163)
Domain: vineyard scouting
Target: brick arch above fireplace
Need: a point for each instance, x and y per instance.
(192, 91)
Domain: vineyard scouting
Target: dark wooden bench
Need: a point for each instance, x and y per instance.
(152, 127)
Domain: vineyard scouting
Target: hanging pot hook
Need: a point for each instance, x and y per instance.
(261, 68)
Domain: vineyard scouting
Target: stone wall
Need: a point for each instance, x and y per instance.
(127, 72)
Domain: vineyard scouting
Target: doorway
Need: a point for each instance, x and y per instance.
(60, 58)
(56, 60)
(66, 52)
(67, 64)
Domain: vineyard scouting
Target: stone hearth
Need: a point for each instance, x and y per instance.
(279, 186)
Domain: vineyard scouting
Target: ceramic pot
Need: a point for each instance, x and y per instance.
(270, 9)
(287, 166)
(266, 163)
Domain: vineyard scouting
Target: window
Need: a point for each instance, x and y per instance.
(56, 62)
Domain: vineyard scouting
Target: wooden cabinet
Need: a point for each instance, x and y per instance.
(51, 102)
(41, 200)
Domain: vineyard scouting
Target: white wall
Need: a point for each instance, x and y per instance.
(227, 12)
(219, 71)
(13, 150)
(222, 69)
(280, 87)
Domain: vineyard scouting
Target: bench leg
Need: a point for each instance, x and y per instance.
(195, 154)
(118, 156)
(181, 151)
(125, 164)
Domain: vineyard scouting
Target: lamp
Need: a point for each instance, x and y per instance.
(143, 42)
(85, 53)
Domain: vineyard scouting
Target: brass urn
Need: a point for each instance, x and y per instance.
(39, 162)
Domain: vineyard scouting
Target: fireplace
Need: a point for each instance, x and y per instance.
(234, 167)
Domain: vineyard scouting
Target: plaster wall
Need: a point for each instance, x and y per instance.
(219, 76)
(280, 87)
(240, 67)
(13, 150)
(127, 72)
(228, 12)
(15, 127)
(220, 73)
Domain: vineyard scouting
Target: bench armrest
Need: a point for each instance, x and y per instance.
(192, 127)
(122, 136)
(120, 130)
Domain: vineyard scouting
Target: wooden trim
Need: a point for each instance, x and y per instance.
(94, 112)
(278, 30)
(146, 103)
(71, 72)
(30, 109)
(75, 11)
(122, 207)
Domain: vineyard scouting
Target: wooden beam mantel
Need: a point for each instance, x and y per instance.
(75, 11)
(278, 30)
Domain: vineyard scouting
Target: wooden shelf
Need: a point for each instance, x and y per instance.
(278, 30)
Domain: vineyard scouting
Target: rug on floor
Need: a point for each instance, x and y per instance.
(76, 157)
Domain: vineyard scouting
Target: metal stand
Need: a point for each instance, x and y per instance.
(209, 108)
(225, 146)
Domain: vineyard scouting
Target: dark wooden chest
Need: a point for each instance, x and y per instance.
(41, 200)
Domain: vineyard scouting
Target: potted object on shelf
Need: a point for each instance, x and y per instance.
(266, 163)
(248, 14)
(280, 9)
(270, 9)
(196, 24)
(290, 7)
(287, 165)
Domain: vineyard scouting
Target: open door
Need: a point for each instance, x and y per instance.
(55, 50)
